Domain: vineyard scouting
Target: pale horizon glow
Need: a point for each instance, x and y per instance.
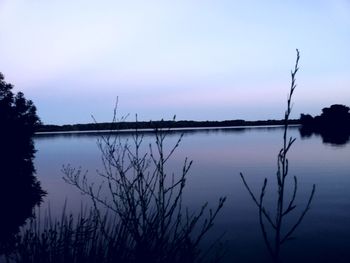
(200, 60)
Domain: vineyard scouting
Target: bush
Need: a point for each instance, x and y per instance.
(140, 219)
(20, 190)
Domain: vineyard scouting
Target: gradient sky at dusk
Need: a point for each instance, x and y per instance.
(201, 60)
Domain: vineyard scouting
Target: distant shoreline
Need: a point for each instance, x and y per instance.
(151, 125)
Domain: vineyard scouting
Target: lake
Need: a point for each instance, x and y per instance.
(219, 156)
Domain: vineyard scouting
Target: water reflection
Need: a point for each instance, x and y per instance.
(329, 136)
(177, 132)
(218, 156)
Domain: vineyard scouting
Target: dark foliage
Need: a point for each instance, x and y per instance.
(333, 124)
(19, 189)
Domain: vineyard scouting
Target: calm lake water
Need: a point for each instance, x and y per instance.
(219, 155)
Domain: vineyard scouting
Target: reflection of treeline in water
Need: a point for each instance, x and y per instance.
(20, 191)
(158, 125)
(333, 124)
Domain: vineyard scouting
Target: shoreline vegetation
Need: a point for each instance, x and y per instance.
(162, 124)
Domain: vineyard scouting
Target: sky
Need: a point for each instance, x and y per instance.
(196, 59)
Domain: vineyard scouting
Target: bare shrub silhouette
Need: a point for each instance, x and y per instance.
(277, 238)
(144, 202)
(137, 214)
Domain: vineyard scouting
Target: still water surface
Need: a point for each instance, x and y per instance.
(219, 155)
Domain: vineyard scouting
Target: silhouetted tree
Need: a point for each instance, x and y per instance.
(336, 110)
(334, 117)
(306, 118)
(333, 124)
(20, 191)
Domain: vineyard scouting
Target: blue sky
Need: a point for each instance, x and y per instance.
(201, 60)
